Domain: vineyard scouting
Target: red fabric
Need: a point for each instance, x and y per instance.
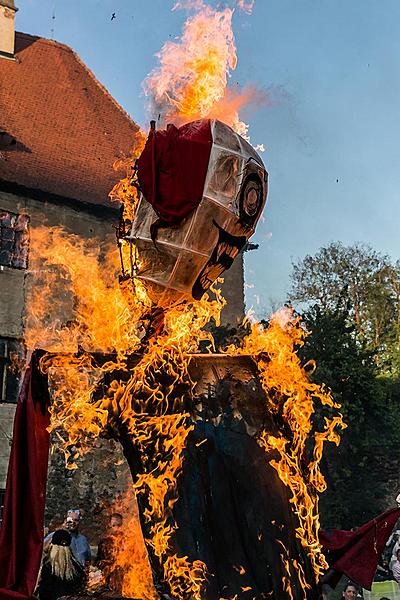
(21, 534)
(172, 169)
(357, 553)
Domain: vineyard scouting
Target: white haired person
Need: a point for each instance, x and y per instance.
(61, 574)
(79, 544)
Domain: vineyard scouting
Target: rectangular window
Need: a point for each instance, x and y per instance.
(14, 240)
(10, 356)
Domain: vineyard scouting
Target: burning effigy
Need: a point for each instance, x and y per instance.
(203, 188)
(222, 448)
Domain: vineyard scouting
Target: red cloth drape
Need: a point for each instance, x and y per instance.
(172, 169)
(21, 534)
(357, 553)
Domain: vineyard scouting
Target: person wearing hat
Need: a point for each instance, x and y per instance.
(79, 544)
(61, 574)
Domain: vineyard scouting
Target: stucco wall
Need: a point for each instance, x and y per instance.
(7, 30)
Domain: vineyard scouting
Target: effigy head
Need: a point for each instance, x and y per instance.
(203, 188)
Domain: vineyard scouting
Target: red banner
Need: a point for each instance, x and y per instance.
(357, 553)
(21, 534)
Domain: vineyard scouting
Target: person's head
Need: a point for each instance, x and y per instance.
(60, 555)
(350, 591)
(115, 521)
(73, 519)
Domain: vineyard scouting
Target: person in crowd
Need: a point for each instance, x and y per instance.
(79, 544)
(382, 570)
(324, 594)
(106, 553)
(350, 591)
(396, 567)
(392, 545)
(61, 574)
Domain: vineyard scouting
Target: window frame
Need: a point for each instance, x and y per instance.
(14, 239)
(9, 378)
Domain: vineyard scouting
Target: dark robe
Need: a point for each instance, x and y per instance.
(52, 587)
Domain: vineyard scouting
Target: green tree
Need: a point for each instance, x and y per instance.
(359, 472)
(361, 281)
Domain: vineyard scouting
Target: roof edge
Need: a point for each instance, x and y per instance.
(97, 210)
(76, 56)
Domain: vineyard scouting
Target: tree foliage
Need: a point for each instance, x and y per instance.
(360, 472)
(361, 281)
(350, 298)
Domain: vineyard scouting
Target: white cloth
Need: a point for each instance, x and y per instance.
(396, 571)
(394, 557)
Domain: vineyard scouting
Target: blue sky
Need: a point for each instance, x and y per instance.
(331, 69)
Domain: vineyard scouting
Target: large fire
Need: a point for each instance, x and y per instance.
(293, 397)
(77, 309)
(191, 81)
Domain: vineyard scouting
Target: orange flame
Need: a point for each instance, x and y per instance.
(142, 402)
(129, 569)
(125, 191)
(292, 397)
(191, 81)
(160, 437)
(105, 319)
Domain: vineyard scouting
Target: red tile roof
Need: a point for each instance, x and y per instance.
(68, 130)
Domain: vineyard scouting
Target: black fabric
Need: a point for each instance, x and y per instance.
(234, 515)
(52, 587)
(61, 537)
(233, 511)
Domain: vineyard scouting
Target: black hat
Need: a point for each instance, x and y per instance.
(61, 537)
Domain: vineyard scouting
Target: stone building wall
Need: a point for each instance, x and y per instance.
(77, 219)
(233, 292)
(103, 473)
(97, 487)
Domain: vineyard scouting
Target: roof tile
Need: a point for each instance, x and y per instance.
(68, 128)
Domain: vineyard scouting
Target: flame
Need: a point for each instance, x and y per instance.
(292, 398)
(129, 556)
(125, 192)
(191, 81)
(246, 5)
(161, 438)
(77, 310)
(105, 320)
(286, 579)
